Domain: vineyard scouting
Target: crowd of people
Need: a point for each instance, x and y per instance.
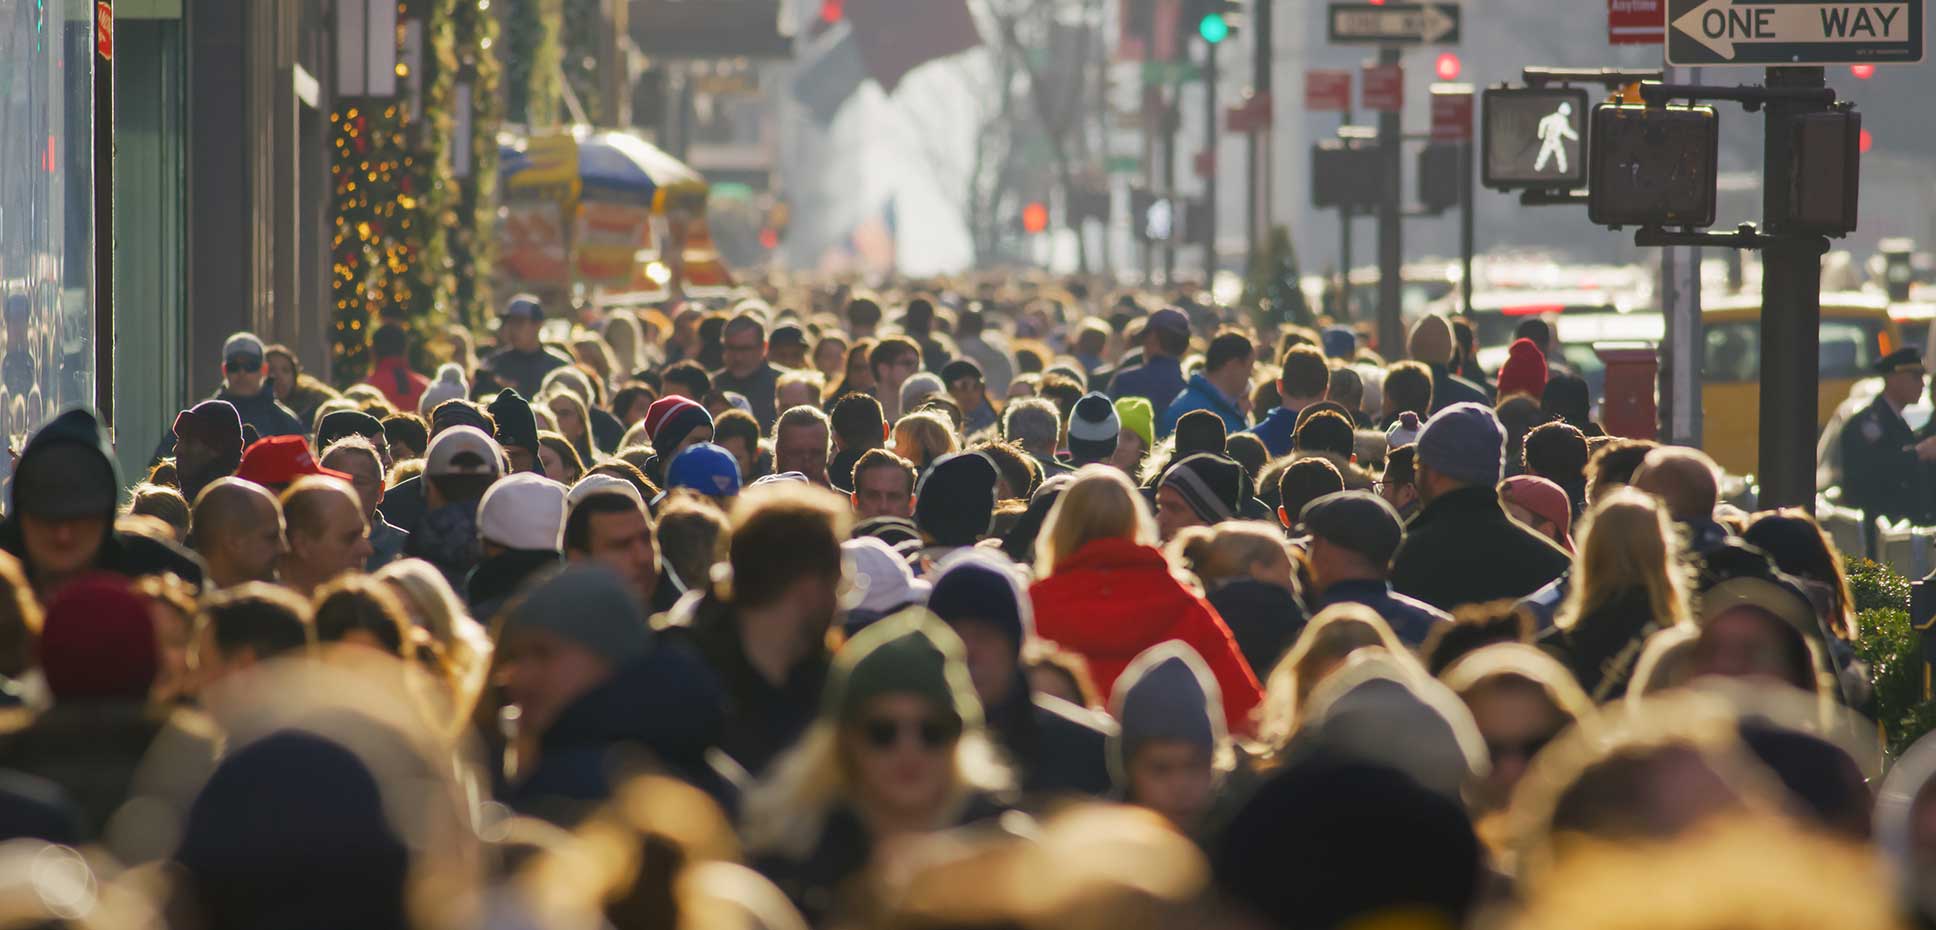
(984, 605)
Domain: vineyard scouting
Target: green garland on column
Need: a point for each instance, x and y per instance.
(584, 26)
(473, 237)
(531, 61)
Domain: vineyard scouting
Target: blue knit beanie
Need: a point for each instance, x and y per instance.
(1464, 442)
(978, 586)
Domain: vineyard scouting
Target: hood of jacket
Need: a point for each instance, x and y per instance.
(498, 577)
(622, 710)
(76, 426)
(1118, 593)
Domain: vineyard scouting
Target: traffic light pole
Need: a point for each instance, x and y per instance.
(1210, 160)
(1791, 313)
(1391, 242)
(1261, 60)
(1466, 171)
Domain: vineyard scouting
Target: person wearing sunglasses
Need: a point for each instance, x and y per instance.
(898, 751)
(1521, 699)
(246, 387)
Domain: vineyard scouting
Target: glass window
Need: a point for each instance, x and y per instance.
(1848, 348)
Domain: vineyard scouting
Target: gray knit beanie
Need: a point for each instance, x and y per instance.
(588, 605)
(1464, 442)
(1166, 693)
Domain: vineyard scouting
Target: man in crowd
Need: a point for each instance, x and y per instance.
(954, 502)
(245, 386)
(342, 424)
(765, 635)
(1222, 387)
(1432, 345)
(1462, 548)
(1305, 380)
(1036, 426)
(987, 349)
(858, 426)
(787, 347)
(460, 466)
(607, 525)
(328, 535)
(802, 442)
(1159, 377)
(519, 521)
(1690, 484)
(522, 360)
(963, 379)
(60, 519)
(356, 458)
(1094, 431)
(1202, 490)
(243, 626)
(893, 361)
(747, 371)
(1884, 463)
(208, 445)
(1354, 535)
(238, 532)
(516, 431)
(883, 486)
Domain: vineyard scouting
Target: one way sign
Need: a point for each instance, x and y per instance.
(1793, 32)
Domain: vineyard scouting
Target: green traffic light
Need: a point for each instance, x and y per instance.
(1213, 28)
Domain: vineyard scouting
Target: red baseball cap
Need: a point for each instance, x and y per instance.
(279, 460)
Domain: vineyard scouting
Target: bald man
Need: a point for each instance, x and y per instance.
(1689, 483)
(326, 531)
(237, 529)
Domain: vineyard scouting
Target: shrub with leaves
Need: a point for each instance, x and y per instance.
(1890, 644)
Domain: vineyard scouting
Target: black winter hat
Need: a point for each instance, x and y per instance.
(958, 369)
(1093, 429)
(1212, 485)
(1201, 431)
(979, 586)
(516, 424)
(954, 503)
(347, 423)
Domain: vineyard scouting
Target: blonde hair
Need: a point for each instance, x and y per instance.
(430, 603)
(1520, 662)
(1329, 639)
(1228, 550)
(1099, 504)
(1628, 542)
(1665, 662)
(923, 437)
(624, 336)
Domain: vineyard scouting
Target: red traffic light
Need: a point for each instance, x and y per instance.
(769, 238)
(1035, 217)
(1447, 67)
(1862, 72)
(1863, 142)
(832, 11)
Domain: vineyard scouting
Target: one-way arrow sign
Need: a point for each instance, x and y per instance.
(1356, 23)
(1793, 32)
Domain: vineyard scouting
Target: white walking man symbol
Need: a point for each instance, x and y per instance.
(1554, 130)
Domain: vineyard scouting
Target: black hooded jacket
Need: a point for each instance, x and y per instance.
(1058, 748)
(120, 553)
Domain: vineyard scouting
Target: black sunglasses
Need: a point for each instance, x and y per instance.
(242, 363)
(884, 733)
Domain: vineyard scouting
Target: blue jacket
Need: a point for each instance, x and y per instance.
(1158, 380)
(1411, 619)
(1202, 395)
(1276, 429)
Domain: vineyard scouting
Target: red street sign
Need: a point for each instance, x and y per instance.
(1326, 90)
(1636, 22)
(1452, 116)
(1384, 88)
(1253, 115)
(1206, 164)
(104, 30)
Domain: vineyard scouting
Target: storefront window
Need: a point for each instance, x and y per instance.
(46, 209)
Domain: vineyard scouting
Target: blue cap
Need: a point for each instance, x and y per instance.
(706, 468)
(1339, 342)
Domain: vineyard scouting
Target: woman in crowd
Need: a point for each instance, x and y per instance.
(1628, 583)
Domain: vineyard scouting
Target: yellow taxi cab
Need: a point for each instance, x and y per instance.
(1856, 331)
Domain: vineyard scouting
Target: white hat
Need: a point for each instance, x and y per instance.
(523, 511)
(445, 447)
(603, 484)
(448, 386)
(883, 578)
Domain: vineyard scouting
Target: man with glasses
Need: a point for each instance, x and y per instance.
(245, 385)
(522, 361)
(747, 371)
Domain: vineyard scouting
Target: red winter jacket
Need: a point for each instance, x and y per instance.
(401, 385)
(1115, 598)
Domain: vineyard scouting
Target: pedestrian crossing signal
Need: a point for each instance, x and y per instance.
(1653, 166)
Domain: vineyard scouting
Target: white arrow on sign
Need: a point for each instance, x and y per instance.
(1720, 25)
(1429, 23)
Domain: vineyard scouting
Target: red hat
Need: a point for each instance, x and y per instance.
(98, 641)
(280, 460)
(1524, 371)
(1543, 499)
(673, 412)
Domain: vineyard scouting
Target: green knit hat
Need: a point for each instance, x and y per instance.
(911, 652)
(1138, 417)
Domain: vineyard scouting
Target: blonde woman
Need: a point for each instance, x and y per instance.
(923, 437)
(1326, 644)
(430, 604)
(1107, 593)
(1628, 583)
(624, 337)
(899, 751)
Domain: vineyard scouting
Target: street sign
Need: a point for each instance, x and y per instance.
(1781, 32)
(1636, 22)
(1384, 88)
(1535, 138)
(1451, 113)
(1157, 73)
(1123, 164)
(1252, 115)
(1356, 23)
(1327, 91)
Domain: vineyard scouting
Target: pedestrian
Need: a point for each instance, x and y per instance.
(762, 629)
(891, 363)
(1138, 436)
(803, 442)
(1431, 345)
(295, 388)
(557, 459)
(1305, 380)
(1200, 490)
(887, 584)
(460, 466)
(987, 347)
(1521, 700)
(1462, 548)
(391, 372)
(1166, 756)
(208, 445)
(1105, 591)
(607, 524)
(1541, 506)
(1036, 426)
(883, 486)
(60, 517)
(1057, 748)
(523, 360)
(737, 432)
(1247, 574)
(1220, 387)
(954, 503)
(858, 427)
(1689, 483)
(326, 530)
(520, 523)
(573, 421)
(1354, 537)
(240, 629)
(1557, 452)
(1524, 371)
(786, 347)
(966, 386)
(1095, 431)
(343, 424)
(1200, 431)
(515, 427)
(1758, 625)
(674, 423)
(356, 458)
(746, 369)
(1408, 389)
(361, 612)
(897, 750)
(1306, 480)
(707, 469)
(1568, 397)
(450, 384)
(1158, 377)
(1629, 583)
(246, 387)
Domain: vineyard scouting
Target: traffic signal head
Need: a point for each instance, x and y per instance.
(1215, 19)
(1035, 217)
(1447, 67)
(1653, 166)
(1213, 28)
